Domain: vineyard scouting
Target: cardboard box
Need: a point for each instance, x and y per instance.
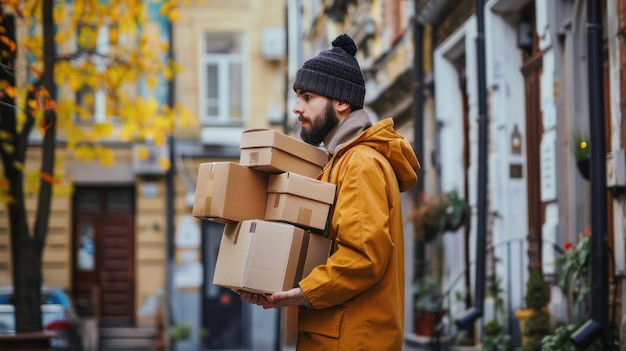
(299, 200)
(270, 151)
(266, 257)
(228, 192)
(317, 252)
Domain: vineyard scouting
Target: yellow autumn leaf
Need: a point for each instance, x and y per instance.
(164, 9)
(152, 82)
(164, 163)
(173, 16)
(142, 152)
(8, 148)
(113, 35)
(84, 152)
(32, 104)
(83, 114)
(19, 166)
(59, 14)
(5, 199)
(175, 67)
(158, 138)
(106, 156)
(102, 129)
(73, 82)
(167, 73)
(11, 91)
(128, 132)
(88, 99)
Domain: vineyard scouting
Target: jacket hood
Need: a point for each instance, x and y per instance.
(388, 142)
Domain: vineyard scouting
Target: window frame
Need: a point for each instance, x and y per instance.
(222, 62)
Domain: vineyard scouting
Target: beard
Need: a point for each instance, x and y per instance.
(321, 127)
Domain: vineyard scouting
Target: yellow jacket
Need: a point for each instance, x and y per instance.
(357, 298)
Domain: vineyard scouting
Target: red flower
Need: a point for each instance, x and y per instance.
(587, 231)
(568, 245)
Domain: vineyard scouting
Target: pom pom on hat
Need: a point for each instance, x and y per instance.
(346, 43)
(334, 73)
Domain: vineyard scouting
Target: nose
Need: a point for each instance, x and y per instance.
(298, 107)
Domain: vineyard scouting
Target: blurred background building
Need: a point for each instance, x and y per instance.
(152, 262)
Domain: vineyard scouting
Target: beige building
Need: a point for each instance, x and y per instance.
(133, 215)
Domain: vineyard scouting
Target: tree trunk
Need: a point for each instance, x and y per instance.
(27, 255)
(26, 249)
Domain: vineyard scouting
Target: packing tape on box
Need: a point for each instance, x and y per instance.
(304, 215)
(276, 201)
(208, 192)
(253, 159)
(302, 258)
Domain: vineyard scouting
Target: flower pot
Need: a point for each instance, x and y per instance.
(425, 322)
(523, 314)
(583, 167)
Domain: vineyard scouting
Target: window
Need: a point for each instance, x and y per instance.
(93, 44)
(222, 85)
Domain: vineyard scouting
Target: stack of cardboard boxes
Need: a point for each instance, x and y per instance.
(274, 209)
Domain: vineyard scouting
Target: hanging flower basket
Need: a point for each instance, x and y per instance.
(582, 152)
(446, 212)
(456, 212)
(583, 167)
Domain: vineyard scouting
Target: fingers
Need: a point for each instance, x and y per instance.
(255, 299)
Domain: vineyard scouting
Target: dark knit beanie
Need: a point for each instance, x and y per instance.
(334, 73)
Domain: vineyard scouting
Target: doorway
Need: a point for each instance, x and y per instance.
(103, 255)
(224, 315)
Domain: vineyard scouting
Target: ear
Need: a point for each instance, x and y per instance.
(343, 108)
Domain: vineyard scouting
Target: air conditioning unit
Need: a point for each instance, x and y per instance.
(146, 159)
(273, 43)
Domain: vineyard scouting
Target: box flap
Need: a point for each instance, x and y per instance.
(252, 138)
(299, 185)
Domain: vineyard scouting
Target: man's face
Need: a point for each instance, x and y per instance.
(317, 116)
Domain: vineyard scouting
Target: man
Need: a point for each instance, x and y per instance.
(356, 300)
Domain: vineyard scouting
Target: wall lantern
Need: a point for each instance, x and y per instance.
(516, 141)
(524, 35)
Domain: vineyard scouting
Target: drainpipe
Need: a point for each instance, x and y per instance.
(419, 254)
(169, 202)
(287, 89)
(475, 312)
(418, 93)
(594, 327)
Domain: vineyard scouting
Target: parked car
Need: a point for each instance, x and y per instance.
(57, 313)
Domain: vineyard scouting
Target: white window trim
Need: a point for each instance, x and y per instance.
(222, 61)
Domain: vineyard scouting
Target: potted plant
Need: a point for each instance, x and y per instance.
(456, 211)
(180, 331)
(428, 218)
(582, 152)
(575, 279)
(534, 319)
(575, 273)
(427, 299)
(445, 212)
(495, 335)
(496, 338)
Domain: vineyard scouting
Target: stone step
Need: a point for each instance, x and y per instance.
(127, 339)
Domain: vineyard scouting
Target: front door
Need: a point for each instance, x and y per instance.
(224, 315)
(103, 252)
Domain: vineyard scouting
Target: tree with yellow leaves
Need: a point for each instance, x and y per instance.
(75, 61)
